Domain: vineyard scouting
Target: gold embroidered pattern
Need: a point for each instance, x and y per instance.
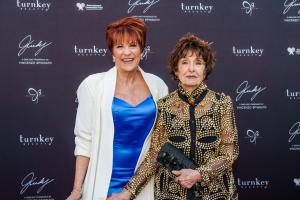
(215, 145)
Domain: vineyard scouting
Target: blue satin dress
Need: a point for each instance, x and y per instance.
(132, 125)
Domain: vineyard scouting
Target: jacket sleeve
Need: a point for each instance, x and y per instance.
(84, 120)
(228, 148)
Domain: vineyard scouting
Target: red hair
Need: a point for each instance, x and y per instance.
(130, 29)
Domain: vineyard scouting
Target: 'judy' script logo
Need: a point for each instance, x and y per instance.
(294, 130)
(253, 135)
(35, 94)
(288, 4)
(248, 7)
(30, 180)
(245, 88)
(28, 43)
(135, 3)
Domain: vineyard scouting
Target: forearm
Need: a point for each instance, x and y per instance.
(218, 165)
(228, 149)
(82, 163)
(142, 175)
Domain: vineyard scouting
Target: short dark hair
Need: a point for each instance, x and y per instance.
(191, 42)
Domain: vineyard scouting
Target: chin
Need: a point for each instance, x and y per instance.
(129, 67)
(193, 84)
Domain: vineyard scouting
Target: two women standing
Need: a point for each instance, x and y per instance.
(117, 111)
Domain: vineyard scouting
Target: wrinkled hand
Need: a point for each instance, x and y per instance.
(75, 195)
(124, 195)
(187, 177)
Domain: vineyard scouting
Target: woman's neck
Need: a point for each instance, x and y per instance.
(127, 77)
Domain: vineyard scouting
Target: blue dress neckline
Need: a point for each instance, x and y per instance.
(139, 104)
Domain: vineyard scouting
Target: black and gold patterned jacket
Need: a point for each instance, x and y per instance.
(202, 125)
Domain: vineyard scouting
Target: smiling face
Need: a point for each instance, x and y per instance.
(190, 71)
(127, 54)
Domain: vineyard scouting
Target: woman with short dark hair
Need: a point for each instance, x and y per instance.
(196, 122)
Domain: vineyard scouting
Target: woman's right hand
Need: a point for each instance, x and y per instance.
(124, 195)
(75, 195)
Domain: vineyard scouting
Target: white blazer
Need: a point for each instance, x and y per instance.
(94, 130)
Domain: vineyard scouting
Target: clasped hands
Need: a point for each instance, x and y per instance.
(185, 177)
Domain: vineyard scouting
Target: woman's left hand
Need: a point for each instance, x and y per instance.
(187, 177)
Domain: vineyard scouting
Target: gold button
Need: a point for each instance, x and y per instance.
(177, 104)
(202, 104)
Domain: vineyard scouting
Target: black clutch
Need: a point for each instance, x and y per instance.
(173, 158)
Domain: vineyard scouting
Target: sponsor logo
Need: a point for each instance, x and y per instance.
(88, 7)
(143, 6)
(256, 183)
(146, 52)
(297, 182)
(33, 5)
(96, 51)
(293, 51)
(248, 7)
(31, 50)
(291, 11)
(293, 95)
(252, 136)
(198, 7)
(35, 94)
(39, 140)
(293, 133)
(251, 51)
(28, 43)
(246, 95)
(32, 187)
(92, 51)
(146, 5)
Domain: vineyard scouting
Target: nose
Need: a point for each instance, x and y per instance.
(192, 67)
(127, 51)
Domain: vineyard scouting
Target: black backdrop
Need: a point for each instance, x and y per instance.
(48, 47)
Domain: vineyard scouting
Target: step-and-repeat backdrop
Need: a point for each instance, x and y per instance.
(48, 47)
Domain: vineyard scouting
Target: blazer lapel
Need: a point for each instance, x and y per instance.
(107, 130)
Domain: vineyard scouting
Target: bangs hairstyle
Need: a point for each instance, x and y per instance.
(197, 46)
(127, 29)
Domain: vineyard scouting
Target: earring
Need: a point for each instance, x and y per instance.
(114, 59)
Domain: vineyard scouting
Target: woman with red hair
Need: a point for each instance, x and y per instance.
(116, 113)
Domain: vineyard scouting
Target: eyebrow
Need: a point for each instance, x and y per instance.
(197, 59)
